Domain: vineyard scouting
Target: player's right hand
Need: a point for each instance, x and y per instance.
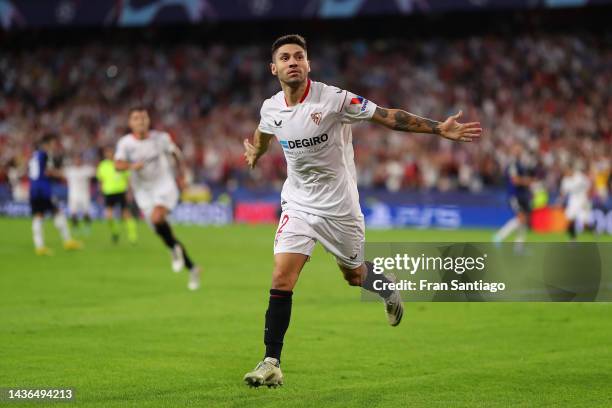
(137, 166)
(250, 153)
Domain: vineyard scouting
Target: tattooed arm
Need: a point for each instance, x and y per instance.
(398, 119)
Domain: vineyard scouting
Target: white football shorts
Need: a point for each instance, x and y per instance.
(579, 211)
(164, 194)
(79, 203)
(298, 232)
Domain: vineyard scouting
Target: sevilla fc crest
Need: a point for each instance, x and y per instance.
(316, 118)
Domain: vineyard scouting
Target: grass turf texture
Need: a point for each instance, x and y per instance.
(116, 324)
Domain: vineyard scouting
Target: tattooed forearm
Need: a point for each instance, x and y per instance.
(408, 122)
(382, 112)
(450, 129)
(398, 119)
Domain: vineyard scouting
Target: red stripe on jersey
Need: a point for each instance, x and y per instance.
(306, 91)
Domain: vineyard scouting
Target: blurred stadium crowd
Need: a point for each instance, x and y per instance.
(550, 93)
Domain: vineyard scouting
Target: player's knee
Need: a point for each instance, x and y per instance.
(281, 282)
(353, 278)
(157, 219)
(158, 215)
(281, 279)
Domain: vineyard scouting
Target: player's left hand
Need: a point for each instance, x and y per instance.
(250, 153)
(460, 132)
(181, 183)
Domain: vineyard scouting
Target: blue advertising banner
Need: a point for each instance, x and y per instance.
(184, 213)
(381, 209)
(382, 215)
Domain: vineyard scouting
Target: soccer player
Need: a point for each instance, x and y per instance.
(39, 173)
(148, 154)
(319, 200)
(78, 176)
(575, 187)
(114, 186)
(518, 181)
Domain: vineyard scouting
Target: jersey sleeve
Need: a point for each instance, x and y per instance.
(565, 186)
(167, 144)
(121, 153)
(266, 120)
(355, 108)
(586, 182)
(90, 171)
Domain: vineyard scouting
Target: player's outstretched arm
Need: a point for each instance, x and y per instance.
(253, 151)
(398, 119)
(54, 172)
(123, 165)
(181, 166)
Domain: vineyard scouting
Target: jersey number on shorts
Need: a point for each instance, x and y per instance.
(284, 222)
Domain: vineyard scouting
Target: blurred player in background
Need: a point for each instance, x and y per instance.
(78, 175)
(320, 201)
(39, 173)
(114, 185)
(600, 175)
(518, 181)
(575, 188)
(147, 154)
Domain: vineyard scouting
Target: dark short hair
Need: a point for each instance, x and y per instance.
(102, 149)
(48, 137)
(137, 108)
(288, 39)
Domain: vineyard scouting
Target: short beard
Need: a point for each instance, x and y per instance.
(294, 82)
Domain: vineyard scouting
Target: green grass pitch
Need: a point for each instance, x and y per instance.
(113, 322)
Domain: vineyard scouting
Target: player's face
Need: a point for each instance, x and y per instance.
(139, 122)
(517, 151)
(51, 146)
(290, 64)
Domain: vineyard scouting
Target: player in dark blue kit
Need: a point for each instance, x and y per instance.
(519, 177)
(39, 173)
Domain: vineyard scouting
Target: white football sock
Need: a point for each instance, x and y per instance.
(37, 232)
(62, 226)
(521, 235)
(507, 229)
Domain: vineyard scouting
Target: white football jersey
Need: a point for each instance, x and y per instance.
(576, 187)
(78, 179)
(154, 151)
(317, 141)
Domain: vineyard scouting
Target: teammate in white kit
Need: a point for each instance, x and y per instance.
(575, 187)
(147, 154)
(319, 199)
(78, 175)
